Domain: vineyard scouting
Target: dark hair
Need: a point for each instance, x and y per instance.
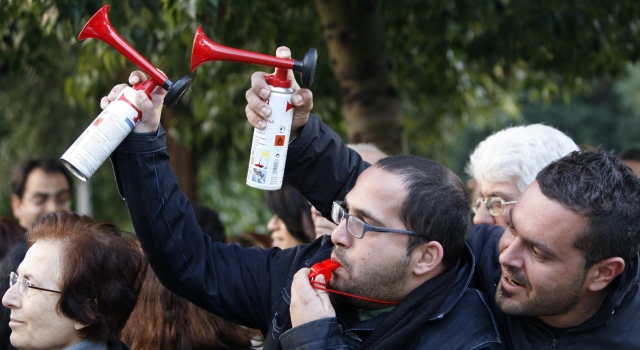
(210, 223)
(163, 320)
(102, 271)
(631, 154)
(436, 205)
(9, 264)
(48, 165)
(10, 233)
(294, 210)
(600, 187)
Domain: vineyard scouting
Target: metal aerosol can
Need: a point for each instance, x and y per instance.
(269, 146)
(106, 132)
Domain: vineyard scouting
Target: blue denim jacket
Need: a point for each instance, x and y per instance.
(251, 286)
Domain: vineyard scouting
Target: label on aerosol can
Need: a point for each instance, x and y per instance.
(269, 146)
(102, 137)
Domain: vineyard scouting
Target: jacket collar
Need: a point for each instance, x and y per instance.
(460, 286)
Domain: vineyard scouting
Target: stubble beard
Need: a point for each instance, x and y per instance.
(383, 283)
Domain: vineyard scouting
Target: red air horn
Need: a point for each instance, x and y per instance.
(99, 27)
(269, 146)
(206, 50)
(116, 121)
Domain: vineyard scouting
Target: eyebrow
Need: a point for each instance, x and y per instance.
(546, 249)
(364, 214)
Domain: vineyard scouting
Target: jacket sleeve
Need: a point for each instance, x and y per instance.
(321, 166)
(319, 334)
(236, 283)
(483, 241)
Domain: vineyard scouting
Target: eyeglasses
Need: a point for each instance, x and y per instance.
(24, 285)
(355, 226)
(495, 205)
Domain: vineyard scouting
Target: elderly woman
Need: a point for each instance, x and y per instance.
(76, 286)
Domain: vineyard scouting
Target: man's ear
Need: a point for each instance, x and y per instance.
(16, 205)
(427, 257)
(602, 273)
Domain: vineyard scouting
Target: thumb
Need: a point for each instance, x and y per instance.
(302, 100)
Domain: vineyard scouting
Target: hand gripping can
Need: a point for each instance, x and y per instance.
(269, 146)
(102, 137)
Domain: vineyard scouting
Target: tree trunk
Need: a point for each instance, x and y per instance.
(355, 38)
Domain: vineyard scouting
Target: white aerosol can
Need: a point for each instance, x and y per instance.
(106, 132)
(269, 146)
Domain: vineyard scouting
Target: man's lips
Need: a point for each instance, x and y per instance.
(511, 284)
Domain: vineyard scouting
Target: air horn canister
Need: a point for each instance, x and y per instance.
(116, 121)
(270, 145)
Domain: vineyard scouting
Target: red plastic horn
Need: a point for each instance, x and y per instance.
(206, 50)
(99, 27)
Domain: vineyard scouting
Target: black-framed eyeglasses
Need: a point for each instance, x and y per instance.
(24, 286)
(357, 227)
(495, 205)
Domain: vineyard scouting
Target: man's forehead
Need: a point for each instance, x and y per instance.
(377, 191)
(539, 218)
(39, 179)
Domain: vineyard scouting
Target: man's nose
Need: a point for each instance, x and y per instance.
(341, 236)
(483, 216)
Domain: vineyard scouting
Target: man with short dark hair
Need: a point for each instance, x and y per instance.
(39, 186)
(565, 275)
(403, 274)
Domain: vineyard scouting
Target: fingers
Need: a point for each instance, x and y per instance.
(257, 109)
(303, 103)
(323, 295)
(259, 85)
(113, 94)
(143, 102)
(283, 52)
(308, 304)
(137, 77)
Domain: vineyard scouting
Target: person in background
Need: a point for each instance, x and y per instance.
(505, 163)
(39, 186)
(10, 233)
(370, 153)
(631, 157)
(291, 223)
(163, 320)
(75, 287)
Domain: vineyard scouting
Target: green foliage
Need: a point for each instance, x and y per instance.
(463, 67)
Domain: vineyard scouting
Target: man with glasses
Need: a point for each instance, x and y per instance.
(505, 163)
(404, 274)
(564, 275)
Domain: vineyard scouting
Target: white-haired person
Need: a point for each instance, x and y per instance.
(506, 162)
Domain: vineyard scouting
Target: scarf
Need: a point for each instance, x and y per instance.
(401, 328)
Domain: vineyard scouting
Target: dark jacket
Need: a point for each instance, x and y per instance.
(615, 326)
(251, 286)
(322, 168)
